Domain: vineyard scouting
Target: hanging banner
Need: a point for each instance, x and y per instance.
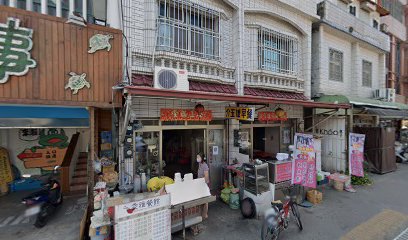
(271, 116)
(6, 174)
(240, 113)
(184, 115)
(356, 154)
(304, 142)
(304, 169)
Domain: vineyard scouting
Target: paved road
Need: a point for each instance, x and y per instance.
(335, 218)
(63, 225)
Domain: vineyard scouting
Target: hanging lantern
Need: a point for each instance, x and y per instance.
(199, 108)
(280, 113)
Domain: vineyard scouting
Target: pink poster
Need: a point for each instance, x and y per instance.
(304, 169)
(356, 154)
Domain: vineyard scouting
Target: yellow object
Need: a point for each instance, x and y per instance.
(157, 183)
(314, 196)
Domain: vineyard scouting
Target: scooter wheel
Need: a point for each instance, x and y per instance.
(40, 222)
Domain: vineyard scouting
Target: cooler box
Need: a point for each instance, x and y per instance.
(25, 184)
(280, 171)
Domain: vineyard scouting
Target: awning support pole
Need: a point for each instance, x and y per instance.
(322, 121)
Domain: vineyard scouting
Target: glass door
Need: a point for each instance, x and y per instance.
(147, 153)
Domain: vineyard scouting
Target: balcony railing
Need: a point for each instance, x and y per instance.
(344, 21)
(59, 8)
(200, 69)
(263, 79)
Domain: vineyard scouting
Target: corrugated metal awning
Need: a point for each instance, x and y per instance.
(388, 113)
(17, 116)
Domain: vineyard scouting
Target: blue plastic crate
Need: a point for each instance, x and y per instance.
(25, 184)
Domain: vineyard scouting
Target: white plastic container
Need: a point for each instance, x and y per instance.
(137, 184)
(144, 183)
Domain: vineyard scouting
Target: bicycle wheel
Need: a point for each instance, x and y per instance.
(296, 214)
(269, 231)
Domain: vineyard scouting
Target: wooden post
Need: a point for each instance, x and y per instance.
(93, 150)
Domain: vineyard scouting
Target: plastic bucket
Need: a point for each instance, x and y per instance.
(234, 201)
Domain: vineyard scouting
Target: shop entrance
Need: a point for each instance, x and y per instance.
(266, 142)
(180, 148)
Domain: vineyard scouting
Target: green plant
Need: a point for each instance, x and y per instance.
(361, 180)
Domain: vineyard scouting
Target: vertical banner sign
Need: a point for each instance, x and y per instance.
(356, 154)
(304, 169)
(304, 161)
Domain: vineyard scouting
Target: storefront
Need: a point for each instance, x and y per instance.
(58, 96)
(167, 129)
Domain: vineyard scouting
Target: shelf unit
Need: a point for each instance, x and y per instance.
(256, 178)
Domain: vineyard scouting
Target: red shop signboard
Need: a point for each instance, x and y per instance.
(167, 114)
(271, 116)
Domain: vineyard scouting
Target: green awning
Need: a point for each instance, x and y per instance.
(357, 101)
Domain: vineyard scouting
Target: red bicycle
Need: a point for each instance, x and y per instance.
(277, 218)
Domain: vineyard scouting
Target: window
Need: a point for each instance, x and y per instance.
(188, 29)
(352, 10)
(336, 65)
(277, 52)
(396, 9)
(375, 24)
(367, 73)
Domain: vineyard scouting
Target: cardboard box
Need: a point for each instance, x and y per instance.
(106, 146)
(314, 196)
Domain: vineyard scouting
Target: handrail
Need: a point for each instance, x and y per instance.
(65, 171)
(70, 151)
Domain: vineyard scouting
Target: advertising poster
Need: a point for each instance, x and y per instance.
(304, 142)
(356, 154)
(304, 169)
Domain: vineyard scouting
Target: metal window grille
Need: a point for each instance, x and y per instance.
(188, 28)
(335, 65)
(367, 73)
(277, 52)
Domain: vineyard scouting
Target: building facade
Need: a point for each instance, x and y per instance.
(240, 60)
(56, 79)
(396, 29)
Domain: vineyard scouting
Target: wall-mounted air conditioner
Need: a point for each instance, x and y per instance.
(385, 94)
(171, 79)
(384, 28)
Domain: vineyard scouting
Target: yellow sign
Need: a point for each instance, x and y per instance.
(5, 167)
(240, 113)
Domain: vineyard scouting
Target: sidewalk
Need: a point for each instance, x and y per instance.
(336, 217)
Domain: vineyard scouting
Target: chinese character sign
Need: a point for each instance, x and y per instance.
(240, 113)
(356, 154)
(142, 206)
(304, 169)
(271, 116)
(304, 142)
(15, 46)
(184, 115)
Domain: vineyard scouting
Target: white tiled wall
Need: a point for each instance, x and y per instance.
(285, 16)
(353, 54)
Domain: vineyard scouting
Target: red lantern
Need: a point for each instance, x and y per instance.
(199, 108)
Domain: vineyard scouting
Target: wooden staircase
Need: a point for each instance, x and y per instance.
(79, 181)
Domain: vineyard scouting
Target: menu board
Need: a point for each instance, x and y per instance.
(144, 219)
(304, 169)
(6, 174)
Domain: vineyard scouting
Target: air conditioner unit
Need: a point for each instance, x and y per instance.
(384, 28)
(171, 79)
(385, 94)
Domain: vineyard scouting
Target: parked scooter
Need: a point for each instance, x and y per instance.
(401, 151)
(44, 202)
